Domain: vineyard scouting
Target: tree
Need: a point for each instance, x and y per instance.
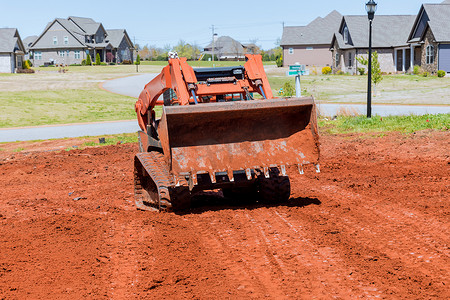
(88, 60)
(137, 62)
(376, 69)
(97, 59)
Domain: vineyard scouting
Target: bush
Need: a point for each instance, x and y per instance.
(361, 71)
(288, 89)
(138, 60)
(279, 62)
(441, 73)
(207, 57)
(426, 74)
(83, 62)
(103, 64)
(126, 62)
(26, 65)
(25, 71)
(88, 60)
(30, 64)
(340, 72)
(112, 63)
(97, 59)
(326, 70)
(75, 65)
(416, 70)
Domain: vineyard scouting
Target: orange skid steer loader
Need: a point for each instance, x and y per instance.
(213, 134)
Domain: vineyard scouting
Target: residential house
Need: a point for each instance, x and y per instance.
(27, 42)
(430, 37)
(309, 45)
(12, 50)
(389, 40)
(226, 48)
(69, 41)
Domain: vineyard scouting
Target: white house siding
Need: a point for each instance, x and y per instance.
(319, 56)
(5, 63)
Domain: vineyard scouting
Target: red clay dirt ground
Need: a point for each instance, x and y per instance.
(373, 224)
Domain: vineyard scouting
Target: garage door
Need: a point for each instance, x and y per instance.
(444, 58)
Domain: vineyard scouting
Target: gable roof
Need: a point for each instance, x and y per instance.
(115, 37)
(87, 25)
(387, 31)
(28, 41)
(226, 44)
(68, 26)
(436, 17)
(9, 38)
(318, 32)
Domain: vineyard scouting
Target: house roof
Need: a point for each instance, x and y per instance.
(387, 31)
(225, 45)
(9, 38)
(318, 32)
(28, 41)
(88, 25)
(115, 37)
(438, 16)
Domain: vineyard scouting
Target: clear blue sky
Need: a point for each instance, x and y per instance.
(166, 22)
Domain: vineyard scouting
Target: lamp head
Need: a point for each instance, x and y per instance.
(371, 8)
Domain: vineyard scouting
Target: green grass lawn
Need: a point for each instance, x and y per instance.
(63, 106)
(404, 124)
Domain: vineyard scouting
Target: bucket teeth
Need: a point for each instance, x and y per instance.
(230, 176)
(317, 168)
(283, 170)
(213, 177)
(249, 174)
(266, 172)
(300, 169)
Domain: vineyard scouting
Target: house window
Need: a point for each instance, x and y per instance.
(66, 40)
(346, 35)
(337, 59)
(61, 53)
(291, 50)
(309, 48)
(430, 54)
(55, 40)
(77, 54)
(37, 55)
(350, 61)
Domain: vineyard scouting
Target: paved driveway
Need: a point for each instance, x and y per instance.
(129, 86)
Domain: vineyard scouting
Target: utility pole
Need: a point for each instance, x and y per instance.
(212, 42)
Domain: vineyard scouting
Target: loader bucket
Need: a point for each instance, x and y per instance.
(239, 135)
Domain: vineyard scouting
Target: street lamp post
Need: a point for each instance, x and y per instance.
(371, 8)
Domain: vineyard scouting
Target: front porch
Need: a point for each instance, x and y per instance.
(405, 58)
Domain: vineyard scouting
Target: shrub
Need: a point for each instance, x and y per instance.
(88, 60)
(112, 63)
(441, 73)
(279, 62)
(426, 74)
(75, 65)
(340, 72)
(83, 62)
(103, 64)
(416, 70)
(26, 65)
(288, 89)
(25, 71)
(361, 71)
(97, 59)
(29, 63)
(326, 70)
(138, 60)
(126, 62)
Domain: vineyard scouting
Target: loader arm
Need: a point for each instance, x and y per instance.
(181, 78)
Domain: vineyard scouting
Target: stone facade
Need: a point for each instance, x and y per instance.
(429, 40)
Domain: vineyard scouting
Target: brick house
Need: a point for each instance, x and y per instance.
(389, 39)
(12, 50)
(431, 35)
(309, 45)
(69, 41)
